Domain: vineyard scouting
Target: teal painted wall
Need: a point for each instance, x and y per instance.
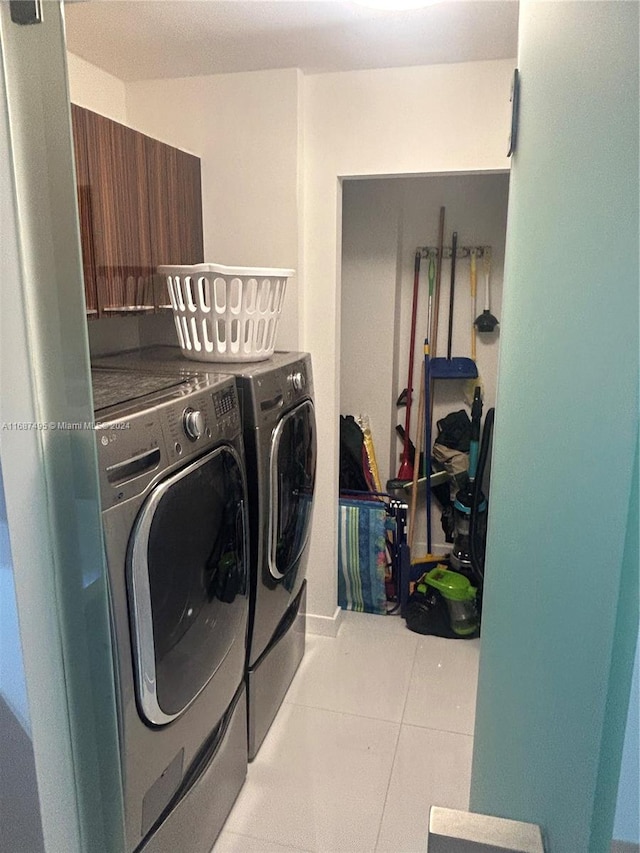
(612, 774)
(627, 822)
(560, 615)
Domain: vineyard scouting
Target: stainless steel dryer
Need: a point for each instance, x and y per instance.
(174, 501)
(278, 422)
(278, 418)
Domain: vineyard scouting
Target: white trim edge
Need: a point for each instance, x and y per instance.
(324, 626)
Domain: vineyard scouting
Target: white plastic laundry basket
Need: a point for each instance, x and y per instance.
(226, 313)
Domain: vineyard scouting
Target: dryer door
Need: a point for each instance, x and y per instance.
(188, 583)
(293, 472)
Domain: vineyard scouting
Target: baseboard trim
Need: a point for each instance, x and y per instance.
(624, 847)
(324, 626)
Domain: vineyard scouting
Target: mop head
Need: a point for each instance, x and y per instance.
(430, 558)
(421, 565)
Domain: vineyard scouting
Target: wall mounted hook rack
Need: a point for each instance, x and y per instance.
(462, 251)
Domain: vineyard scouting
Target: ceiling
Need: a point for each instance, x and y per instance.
(147, 39)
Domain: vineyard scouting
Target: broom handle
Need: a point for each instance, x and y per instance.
(414, 314)
(487, 274)
(427, 444)
(436, 305)
(454, 250)
(416, 465)
(474, 286)
(432, 288)
(436, 302)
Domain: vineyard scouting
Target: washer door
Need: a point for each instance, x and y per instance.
(293, 473)
(188, 582)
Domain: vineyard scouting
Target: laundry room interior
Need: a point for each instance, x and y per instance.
(325, 639)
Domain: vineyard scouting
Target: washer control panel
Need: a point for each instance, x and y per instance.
(139, 442)
(208, 417)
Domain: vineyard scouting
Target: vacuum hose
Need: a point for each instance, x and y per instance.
(477, 561)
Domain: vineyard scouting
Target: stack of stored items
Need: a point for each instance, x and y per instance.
(447, 601)
(372, 545)
(415, 464)
(372, 549)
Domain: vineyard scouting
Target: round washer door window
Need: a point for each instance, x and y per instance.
(188, 582)
(293, 472)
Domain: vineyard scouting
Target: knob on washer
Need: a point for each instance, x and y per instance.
(193, 423)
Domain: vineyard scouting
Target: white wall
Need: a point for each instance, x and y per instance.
(244, 127)
(94, 89)
(370, 223)
(447, 118)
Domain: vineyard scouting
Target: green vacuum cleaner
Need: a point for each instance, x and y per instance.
(443, 604)
(460, 598)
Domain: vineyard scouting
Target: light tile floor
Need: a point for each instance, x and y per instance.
(376, 727)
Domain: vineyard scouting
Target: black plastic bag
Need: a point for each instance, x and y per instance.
(352, 476)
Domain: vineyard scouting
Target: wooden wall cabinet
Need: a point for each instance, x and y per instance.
(175, 207)
(140, 207)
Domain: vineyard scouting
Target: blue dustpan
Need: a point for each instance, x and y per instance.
(452, 368)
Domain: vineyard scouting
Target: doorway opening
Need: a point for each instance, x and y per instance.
(385, 220)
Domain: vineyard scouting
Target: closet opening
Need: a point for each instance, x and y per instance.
(387, 222)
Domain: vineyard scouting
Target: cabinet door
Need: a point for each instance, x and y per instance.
(120, 219)
(189, 200)
(79, 125)
(175, 206)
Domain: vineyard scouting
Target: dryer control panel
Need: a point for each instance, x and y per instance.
(286, 385)
(271, 387)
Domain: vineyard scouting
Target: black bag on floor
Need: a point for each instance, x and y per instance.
(427, 613)
(352, 477)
